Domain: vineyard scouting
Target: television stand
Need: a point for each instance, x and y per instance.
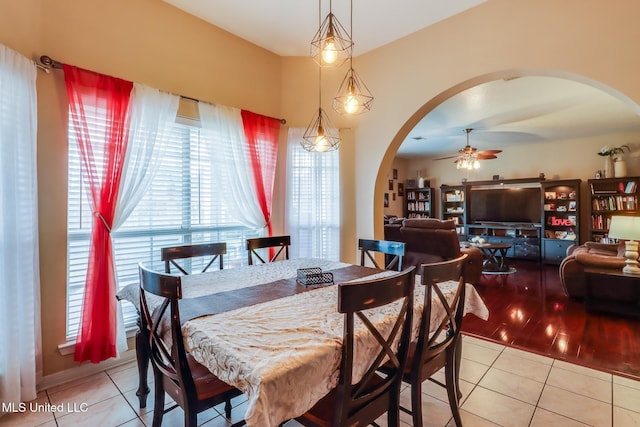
(524, 238)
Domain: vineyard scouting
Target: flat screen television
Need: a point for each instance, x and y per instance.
(505, 205)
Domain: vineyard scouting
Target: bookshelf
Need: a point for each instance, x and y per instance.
(452, 205)
(610, 196)
(561, 221)
(419, 202)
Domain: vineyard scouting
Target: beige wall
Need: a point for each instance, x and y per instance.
(150, 42)
(586, 40)
(396, 207)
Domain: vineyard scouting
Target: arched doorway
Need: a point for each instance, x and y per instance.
(548, 121)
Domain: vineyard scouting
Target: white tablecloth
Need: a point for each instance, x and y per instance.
(197, 285)
(285, 354)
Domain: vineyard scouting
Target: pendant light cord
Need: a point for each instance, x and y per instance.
(320, 67)
(320, 87)
(351, 35)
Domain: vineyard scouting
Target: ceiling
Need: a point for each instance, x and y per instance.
(502, 113)
(286, 27)
(525, 110)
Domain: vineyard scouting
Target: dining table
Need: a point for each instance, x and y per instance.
(278, 341)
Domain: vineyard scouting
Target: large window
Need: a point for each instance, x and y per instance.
(185, 204)
(313, 200)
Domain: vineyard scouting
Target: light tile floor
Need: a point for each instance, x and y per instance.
(501, 386)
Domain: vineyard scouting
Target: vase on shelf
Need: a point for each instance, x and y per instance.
(608, 167)
(619, 168)
(420, 182)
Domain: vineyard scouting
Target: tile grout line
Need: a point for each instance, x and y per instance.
(545, 383)
(137, 415)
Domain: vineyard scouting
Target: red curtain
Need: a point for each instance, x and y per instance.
(262, 137)
(108, 97)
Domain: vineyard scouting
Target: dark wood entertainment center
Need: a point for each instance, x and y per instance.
(539, 224)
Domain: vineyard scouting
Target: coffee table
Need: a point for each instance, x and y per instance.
(494, 255)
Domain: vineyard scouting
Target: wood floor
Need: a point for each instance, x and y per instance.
(528, 310)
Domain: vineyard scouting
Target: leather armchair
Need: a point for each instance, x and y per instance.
(590, 255)
(430, 240)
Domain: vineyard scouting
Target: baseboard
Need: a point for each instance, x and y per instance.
(84, 370)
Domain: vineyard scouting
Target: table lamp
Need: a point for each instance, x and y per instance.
(627, 228)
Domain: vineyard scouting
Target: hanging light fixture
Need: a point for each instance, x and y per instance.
(331, 46)
(468, 158)
(320, 136)
(353, 95)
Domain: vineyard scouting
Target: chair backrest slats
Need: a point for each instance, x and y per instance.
(433, 341)
(164, 321)
(393, 251)
(354, 301)
(170, 254)
(282, 244)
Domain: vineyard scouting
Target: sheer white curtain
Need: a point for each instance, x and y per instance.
(153, 115)
(313, 200)
(223, 131)
(20, 346)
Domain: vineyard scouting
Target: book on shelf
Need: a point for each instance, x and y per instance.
(615, 203)
(599, 222)
(631, 187)
(418, 206)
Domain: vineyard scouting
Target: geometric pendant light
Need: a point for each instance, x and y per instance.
(320, 136)
(331, 46)
(353, 95)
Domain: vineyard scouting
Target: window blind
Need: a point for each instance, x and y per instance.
(184, 205)
(313, 200)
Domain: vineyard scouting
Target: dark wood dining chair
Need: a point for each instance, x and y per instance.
(191, 385)
(393, 251)
(170, 254)
(282, 244)
(441, 348)
(360, 401)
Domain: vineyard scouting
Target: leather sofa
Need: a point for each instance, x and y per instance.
(591, 255)
(430, 240)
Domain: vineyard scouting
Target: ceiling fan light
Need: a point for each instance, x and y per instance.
(468, 158)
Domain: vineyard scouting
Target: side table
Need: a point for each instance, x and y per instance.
(623, 287)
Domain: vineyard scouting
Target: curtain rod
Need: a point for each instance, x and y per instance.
(48, 63)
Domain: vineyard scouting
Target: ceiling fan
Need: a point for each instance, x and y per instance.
(468, 157)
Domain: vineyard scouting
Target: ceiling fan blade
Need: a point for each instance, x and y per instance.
(448, 157)
(489, 151)
(486, 156)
